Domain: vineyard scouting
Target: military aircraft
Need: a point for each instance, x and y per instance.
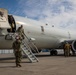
(43, 36)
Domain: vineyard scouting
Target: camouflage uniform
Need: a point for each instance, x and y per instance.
(21, 32)
(67, 48)
(17, 52)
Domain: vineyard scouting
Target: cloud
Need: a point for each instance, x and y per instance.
(61, 13)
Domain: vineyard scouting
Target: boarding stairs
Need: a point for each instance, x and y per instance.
(27, 47)
(27, 51)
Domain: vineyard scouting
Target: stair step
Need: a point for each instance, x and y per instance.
(29, 54)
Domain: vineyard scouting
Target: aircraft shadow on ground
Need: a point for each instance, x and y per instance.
(7, 60)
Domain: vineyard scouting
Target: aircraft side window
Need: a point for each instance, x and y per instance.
(42, 28)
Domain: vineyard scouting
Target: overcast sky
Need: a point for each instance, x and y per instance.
(60, 13)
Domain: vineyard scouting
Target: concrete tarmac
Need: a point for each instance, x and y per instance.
(47, 65)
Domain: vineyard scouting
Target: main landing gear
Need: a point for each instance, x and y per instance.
(53, 52)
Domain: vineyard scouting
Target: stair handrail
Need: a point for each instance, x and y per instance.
(29, 42)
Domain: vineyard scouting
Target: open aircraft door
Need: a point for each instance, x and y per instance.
(4, 19)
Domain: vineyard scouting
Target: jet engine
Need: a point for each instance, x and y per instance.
(74, 45)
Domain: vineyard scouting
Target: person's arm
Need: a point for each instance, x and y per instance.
(18, 29)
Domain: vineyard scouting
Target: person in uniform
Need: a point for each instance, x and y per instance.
(67, 48)
(17, 51)
(20, 31)
(11, 22)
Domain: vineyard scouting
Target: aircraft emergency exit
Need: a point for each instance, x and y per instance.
(42, 35)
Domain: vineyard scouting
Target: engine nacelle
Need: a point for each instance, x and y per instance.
(74, 45)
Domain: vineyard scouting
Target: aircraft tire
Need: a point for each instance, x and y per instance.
(53, 52)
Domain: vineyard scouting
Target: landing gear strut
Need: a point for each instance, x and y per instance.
(53, 52)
